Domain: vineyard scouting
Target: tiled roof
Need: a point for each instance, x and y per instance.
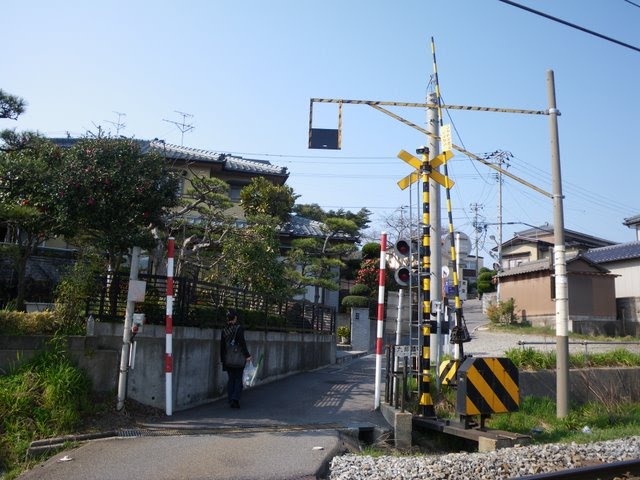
(547, 264)
(305, 227)
(571, 236)
(178, 152)
(614, 253)
(527, 267)
(230, 162)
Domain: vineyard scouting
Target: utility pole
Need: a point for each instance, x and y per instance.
(182, 126)
(126, 334)
(475, 207)
(559, 261)
(501, 157)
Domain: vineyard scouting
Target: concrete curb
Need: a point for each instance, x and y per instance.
(40, 447)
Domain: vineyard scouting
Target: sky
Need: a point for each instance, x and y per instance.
(243, 72)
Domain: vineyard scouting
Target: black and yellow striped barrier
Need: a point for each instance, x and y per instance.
(486, 386)
(447, 372)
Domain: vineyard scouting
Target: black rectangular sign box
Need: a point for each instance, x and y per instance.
(324, 138)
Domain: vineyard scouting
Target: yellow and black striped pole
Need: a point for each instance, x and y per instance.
(456, 288)
(426, 402)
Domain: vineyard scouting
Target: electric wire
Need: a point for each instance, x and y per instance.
(572, 25)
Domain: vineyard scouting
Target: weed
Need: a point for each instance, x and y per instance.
(539, 415)
(42, 398)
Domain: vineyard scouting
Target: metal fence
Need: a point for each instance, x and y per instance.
(204, 305)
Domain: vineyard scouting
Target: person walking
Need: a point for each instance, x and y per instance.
(234, 355)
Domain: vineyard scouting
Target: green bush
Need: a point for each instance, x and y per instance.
(485, 281)
(370, 250)
(503, 312)
(360, 289)
(343, 331)
(355, 301)
(77, 284)
(33, 323)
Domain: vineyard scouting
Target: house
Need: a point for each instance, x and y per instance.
(633, 222)
(527, 276)
(623, 260)
(536, 243)
(592, 305)
(236, 171)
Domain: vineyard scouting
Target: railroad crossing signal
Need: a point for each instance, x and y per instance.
(431, 165)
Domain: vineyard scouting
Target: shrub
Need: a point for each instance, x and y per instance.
(360, 289)
(78, 284)
(485, 281)
(503, 312)
(371, 250)
(343, 331)
(33, 323)
(355, 301)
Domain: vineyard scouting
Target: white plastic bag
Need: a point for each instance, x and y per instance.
(249, 374)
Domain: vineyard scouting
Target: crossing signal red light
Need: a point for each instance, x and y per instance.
(403, 248)
(403, 276)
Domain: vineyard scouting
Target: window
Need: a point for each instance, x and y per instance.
(234, 193)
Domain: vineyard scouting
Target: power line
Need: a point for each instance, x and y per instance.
(569, 24)
(634, 4)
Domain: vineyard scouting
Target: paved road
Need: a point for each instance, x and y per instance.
(288, 429)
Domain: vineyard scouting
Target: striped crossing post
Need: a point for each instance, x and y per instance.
(168, 356)
(380, 322)
(426, 402)
(460, 328)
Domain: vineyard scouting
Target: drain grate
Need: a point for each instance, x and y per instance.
(155, 432)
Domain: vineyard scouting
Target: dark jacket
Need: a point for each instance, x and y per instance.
(239, 339)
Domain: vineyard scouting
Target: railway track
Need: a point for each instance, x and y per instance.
(627, 470)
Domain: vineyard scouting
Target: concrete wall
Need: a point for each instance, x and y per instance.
(363, 335)
(197, 371)
(629, 314)
(605, 385)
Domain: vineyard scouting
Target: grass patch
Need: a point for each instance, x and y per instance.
(537, 417)
(43, 398)
(531, 359)
(526, 328)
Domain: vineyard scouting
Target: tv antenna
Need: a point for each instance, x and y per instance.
(119, 125)
(182, 126)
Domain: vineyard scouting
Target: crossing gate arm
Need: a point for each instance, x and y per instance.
(378, 105)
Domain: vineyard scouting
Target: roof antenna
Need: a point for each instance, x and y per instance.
(119, 125)
(183, 127)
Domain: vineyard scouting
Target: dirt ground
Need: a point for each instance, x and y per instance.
(106, 418)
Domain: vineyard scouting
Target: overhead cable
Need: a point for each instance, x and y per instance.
(569, 24)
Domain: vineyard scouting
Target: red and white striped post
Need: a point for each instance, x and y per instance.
(380, 322)
(168, 356)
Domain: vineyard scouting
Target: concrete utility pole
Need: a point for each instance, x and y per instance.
(126, 335)
(475, 207)
(560, 263)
